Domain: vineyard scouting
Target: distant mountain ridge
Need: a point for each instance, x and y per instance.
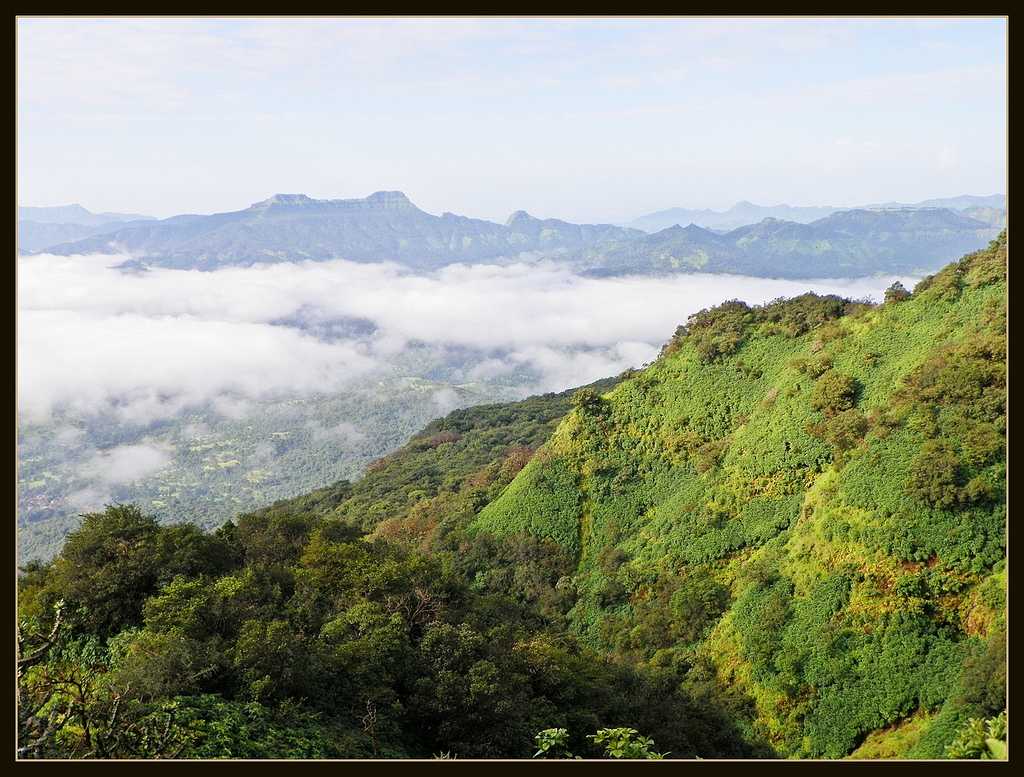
(40, 228)
(844, 244)
(744, 213)
(740, 214)
(75, 214)
(963, 202)
(386, 226)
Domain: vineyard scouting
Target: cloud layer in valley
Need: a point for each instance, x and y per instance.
(126, 463)
(148, 344)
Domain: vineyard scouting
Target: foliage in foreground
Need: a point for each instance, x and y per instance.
(285, 636)
(785, 537)
(980, 739)
(614, 743)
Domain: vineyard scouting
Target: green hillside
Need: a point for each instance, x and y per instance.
(807, 499)
(785, 537)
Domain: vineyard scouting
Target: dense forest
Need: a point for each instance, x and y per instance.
(784, 538)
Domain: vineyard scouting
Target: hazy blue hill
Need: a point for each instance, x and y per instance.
(40, 228)
(74, 214)
(845, 243)
(738, 215)
(744, 213)
(33, 236)
(546, 233)
(963, 202)
(993, 216)
(385, 226)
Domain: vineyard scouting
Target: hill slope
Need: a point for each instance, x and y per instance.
(808, 500)
(786, 536)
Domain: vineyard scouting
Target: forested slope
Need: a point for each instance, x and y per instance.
(785, 537)
(805, 499)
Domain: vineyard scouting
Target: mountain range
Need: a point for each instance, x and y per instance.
(744, 213)
(387, 226)
(740, 214)
(847, 243)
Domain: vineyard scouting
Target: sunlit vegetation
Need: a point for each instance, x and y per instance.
(786, 537)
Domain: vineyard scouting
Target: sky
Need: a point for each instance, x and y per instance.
(580, 119)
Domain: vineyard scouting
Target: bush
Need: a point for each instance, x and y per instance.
(834, 392)
(815, 367)
(695, 606)
(586, 399)
(896, 293)
(799, 315)
(626, 743)
(843, 431)
(936, 476)
(718, 332)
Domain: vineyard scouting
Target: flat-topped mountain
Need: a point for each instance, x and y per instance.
(386, 226)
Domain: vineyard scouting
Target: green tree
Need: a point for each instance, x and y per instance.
(896, 293)
(834, 392)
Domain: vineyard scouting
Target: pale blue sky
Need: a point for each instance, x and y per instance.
(579, 119)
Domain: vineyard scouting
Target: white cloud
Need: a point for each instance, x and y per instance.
(125, 463)
(676, 109)
(343, 432)
(90, 498)
(194, 431)
(68, 436)
(446, 400)
(148, 345)
(560, 369)
(232, 407)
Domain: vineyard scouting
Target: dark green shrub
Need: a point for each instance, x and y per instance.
(936, 475)
(718, 332)
(896, 293)
(843, 431)
(834, 392)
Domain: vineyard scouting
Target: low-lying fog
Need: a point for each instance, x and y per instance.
(147, 344)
